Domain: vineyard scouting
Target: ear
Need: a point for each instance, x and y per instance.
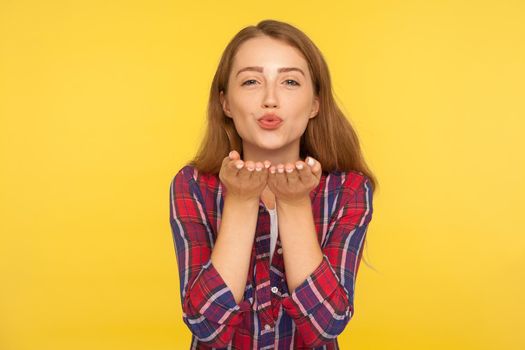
(224, 104)
(315, 107)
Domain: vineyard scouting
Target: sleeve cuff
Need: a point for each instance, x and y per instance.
(211, 297)
(312, 293)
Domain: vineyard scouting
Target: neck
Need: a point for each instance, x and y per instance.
(287, 154)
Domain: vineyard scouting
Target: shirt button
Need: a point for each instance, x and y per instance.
(267, 327)
(280, 250)
(275, 289)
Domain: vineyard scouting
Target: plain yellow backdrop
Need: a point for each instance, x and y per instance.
(102, 102)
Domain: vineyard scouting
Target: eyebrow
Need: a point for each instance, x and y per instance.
(260, 69)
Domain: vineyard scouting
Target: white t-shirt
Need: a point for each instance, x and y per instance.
(273, 230)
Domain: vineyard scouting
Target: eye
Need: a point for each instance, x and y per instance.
(295, 83)
(248, 81)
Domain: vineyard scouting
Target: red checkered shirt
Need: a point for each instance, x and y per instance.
(269, 317)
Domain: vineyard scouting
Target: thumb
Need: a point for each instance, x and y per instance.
(234, 155)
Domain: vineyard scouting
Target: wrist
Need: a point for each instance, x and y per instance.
(300, 202)
(240, 200)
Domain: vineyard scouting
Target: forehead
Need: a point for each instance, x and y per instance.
(268, 53)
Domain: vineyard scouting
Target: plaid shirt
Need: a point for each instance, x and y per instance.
(269, 317)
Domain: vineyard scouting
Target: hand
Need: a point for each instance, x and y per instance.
(242, 180)
(294, 183)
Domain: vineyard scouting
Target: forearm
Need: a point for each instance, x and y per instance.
(301, 251)
(232, 251)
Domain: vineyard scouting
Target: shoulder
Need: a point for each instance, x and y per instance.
(188, 174)
(183, 176)
(350, 181)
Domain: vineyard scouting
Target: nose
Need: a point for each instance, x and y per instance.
(270, 98)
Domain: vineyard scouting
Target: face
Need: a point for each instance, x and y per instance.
(266, 88)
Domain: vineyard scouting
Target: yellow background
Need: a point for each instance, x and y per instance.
(102, 102)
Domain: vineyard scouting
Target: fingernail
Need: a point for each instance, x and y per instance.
(272, 170)
(239, 165)
(299, 166)
(267, 165)
(230, 154)
(280, 170)
(289, 170)
(258, 168)
(310, 161)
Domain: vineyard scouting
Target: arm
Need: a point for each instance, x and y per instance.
(232, 252)
(322, 303)
(301, 250)
(210, 308)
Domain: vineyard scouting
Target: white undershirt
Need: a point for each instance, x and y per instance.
(273, 230)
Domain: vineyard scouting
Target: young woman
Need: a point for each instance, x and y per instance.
(269, 219)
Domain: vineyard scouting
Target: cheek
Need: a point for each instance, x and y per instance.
(244, 102)
(242, 126)
(299, 125)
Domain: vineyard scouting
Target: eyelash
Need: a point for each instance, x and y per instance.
(296, 83)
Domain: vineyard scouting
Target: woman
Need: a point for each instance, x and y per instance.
(270, 218)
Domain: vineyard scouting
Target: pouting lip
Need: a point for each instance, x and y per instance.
(269, 125)
(270, 116)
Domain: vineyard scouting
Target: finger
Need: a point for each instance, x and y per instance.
(315, 166)
(280, 177)
(305, 171)
(233, 155)
(250, 167)
(265, 173)
(235, 166)
(259, 166)
(302, 170)
(245, 173)
(310, 161)
(272, 171)
(233, 162)
(291, 174)
(260, 172)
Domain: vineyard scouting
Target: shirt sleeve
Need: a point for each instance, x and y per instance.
(208, 305)
(322, 305)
